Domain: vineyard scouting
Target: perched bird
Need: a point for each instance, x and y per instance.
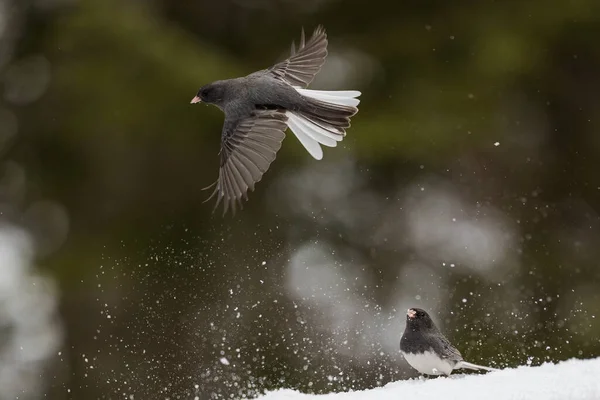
(261, 106)
(427, 350)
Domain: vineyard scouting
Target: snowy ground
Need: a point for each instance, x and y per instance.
(569, 380)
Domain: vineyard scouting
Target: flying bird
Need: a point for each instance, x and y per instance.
(427, 350)
(260, 107)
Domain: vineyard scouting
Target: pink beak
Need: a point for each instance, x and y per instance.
(195, 100)
(411, 313)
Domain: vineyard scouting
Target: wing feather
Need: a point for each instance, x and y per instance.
(302, 66)
(248, 148)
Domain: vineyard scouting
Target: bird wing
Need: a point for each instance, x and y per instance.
(248, 147)
(447, 350)
(302, 66)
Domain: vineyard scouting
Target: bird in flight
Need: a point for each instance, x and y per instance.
(260, 107)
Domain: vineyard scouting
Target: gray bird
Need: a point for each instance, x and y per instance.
(427, 350)
(261, 106)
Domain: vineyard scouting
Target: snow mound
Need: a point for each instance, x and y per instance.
(569, 380)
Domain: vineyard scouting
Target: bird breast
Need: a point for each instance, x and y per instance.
(428, 363)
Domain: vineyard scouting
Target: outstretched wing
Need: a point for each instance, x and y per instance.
(248, 147)
(302, 66)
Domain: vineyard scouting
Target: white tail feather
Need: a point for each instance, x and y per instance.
(310, 144)
(464, 364)
(316, 131)
(339, 97)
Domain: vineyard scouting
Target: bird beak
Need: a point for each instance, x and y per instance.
(195, 100)
(411, 313)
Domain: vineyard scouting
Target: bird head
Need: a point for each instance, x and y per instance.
(417, 318)
(212, 93)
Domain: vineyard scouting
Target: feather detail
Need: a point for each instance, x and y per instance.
(338, 97)
(304, 135)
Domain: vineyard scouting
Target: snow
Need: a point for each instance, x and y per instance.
(569, 380)
(224, 361)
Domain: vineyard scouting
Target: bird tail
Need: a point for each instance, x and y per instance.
(325, 118)
(468, 365)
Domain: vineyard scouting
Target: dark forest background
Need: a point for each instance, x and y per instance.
(468, 185)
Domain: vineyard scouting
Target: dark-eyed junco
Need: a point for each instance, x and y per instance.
(427, 350)
(261, 106)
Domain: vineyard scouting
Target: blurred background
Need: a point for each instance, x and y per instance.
(468, 185)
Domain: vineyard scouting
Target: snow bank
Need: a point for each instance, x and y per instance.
(568, 380)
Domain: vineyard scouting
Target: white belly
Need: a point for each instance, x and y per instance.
(428, 363)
